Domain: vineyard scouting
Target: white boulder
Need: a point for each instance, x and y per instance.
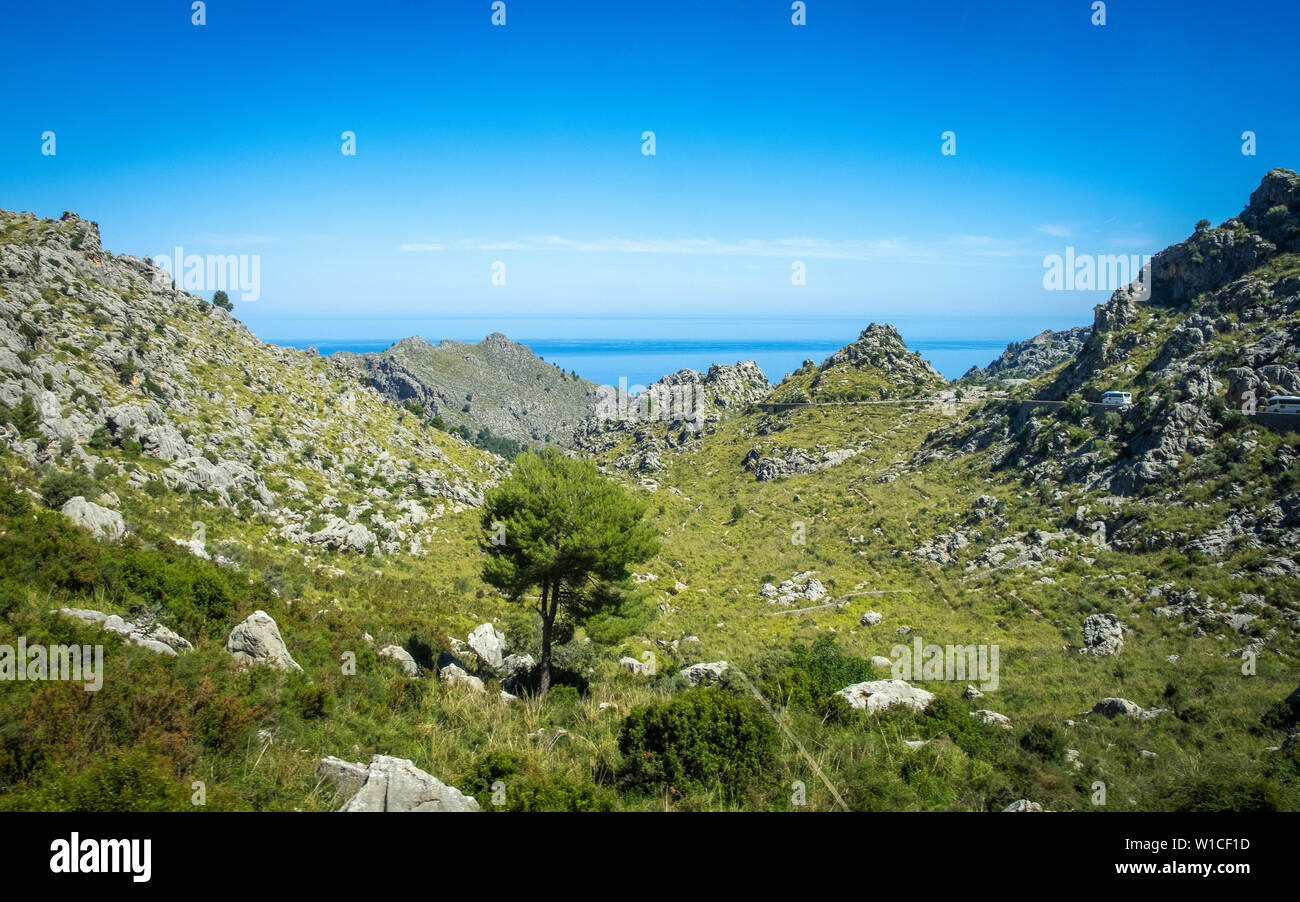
(257, 641)
(877, 695)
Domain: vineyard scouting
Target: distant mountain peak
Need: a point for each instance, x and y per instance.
(877, 366)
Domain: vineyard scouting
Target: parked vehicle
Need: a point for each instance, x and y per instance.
(1117, 398)
(1283, 404)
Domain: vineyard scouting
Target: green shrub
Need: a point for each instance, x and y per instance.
(1044, 740)
(26, 418)
(58, 487)
(133, 779)
(554, 793)
(1074, 408)
(313, 701)
(13, 503)
(503, 781)
(807, 678)
(100, 439)
(1228, 791)
(1280, 716)
(704, 739)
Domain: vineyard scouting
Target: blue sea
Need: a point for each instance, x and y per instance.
(642, 351)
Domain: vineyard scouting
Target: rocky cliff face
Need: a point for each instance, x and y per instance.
(1032, 357)
(670, 414)
(1222, 275)
(878, 366)
(105, 366)
(1218, 333)
(496, 384)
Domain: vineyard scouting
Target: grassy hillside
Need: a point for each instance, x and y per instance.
(496, 385)
(977, 529)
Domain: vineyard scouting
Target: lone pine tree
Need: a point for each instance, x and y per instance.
(556, 524)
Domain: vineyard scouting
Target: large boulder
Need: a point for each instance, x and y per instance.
(704, 674)
(1122, 707)
(516, 669)
(489, 643)
(1103, 634)
(157, 638)
(102, 522)
(257, 641)
(402, 657)
(165, 443)
(877, 695)
(340, 535)
(453, 675)
(393, 784)
(349, 777)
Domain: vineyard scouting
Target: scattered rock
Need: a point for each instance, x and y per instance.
(1103, 634)
(704, 674)
(102, 522)
(876, 695)
(516, 669)
(992, 717)
(489, 643)
(257, 641)
(402, 657)
(340, 535)
(800, 588)
(393, 784)
(1023, 805)
(156, 638)
(1116, 707)
(454, 675)
(793, 462)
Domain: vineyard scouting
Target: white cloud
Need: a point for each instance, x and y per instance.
(968, 248)
(1056, 230)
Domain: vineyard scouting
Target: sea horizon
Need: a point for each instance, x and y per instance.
(607, 359)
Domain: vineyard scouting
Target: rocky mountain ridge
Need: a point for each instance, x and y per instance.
(497, 385)
(876, 366)
(1219, 332)
(1031, 357)
(105, 366)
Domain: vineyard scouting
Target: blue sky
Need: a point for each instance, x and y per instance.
(522, 144)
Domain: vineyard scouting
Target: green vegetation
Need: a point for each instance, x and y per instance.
(703, 740)
(557, 525)
(601, 737)
(25, 418)
(58, 487)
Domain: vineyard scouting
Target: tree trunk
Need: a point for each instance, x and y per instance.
(548, 620)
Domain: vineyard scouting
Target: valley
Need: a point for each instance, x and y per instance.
(163, 466)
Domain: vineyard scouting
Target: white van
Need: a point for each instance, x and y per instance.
(1283, 404)
(1117, 398)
